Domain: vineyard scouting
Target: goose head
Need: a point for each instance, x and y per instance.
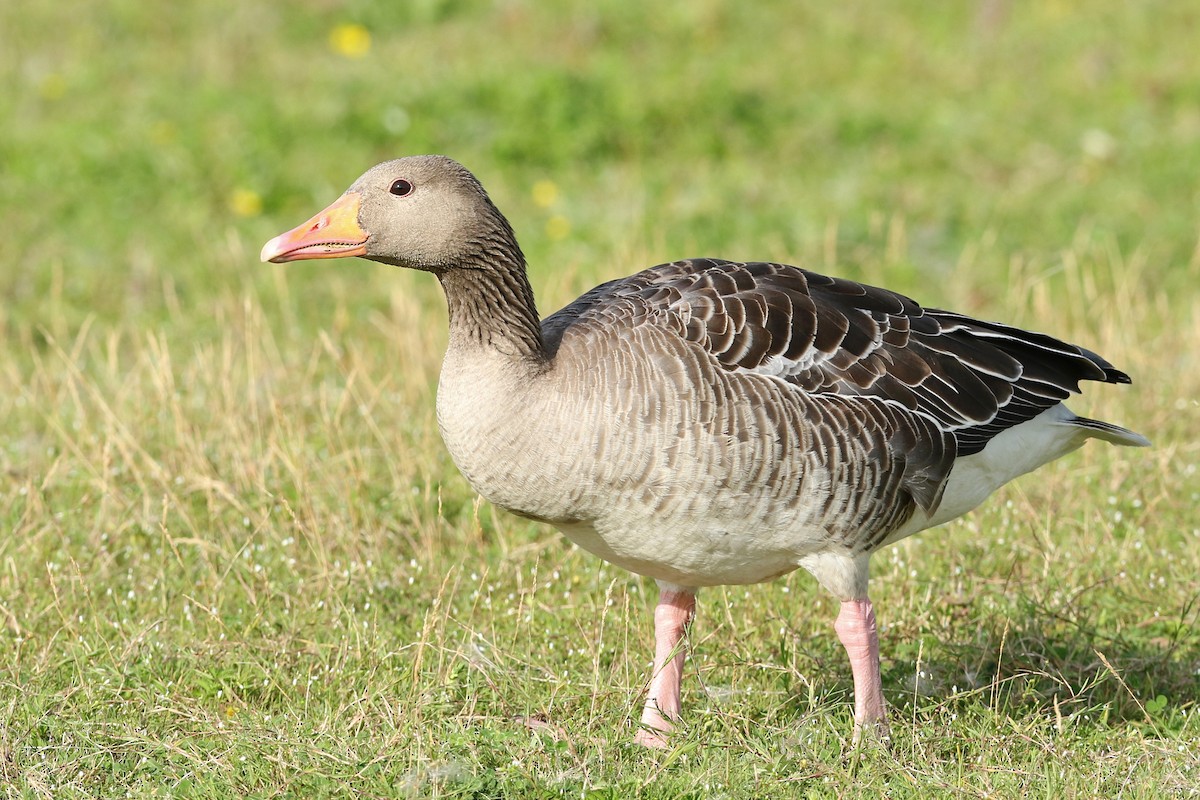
(422, 212)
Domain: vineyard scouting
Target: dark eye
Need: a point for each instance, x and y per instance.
(401, 187)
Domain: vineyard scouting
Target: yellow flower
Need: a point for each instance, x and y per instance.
(545, 194)
(558, 227)
(163, 133)
(350, 40)
(53, 86)
(245, 203)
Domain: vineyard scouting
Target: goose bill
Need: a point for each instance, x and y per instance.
(333, 233)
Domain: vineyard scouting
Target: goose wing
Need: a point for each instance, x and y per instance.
(828, 335)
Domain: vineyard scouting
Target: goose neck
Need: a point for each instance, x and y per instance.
(492, 307)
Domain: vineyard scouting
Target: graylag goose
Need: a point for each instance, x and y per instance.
(709, 422)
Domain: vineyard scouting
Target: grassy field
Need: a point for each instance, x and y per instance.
(235, 559)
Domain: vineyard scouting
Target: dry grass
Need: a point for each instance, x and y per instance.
(254, 549)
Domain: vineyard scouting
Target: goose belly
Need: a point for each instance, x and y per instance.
(708, 538)
(697, 554)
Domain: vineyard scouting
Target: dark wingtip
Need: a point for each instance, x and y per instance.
(1111, 373)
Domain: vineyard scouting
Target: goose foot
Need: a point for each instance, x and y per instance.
(654, 738)
(857, 631)
(672, 615)
(871, 733)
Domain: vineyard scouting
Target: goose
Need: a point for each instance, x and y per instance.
(708, 422)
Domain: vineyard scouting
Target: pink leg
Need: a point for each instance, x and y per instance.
(671, 618)
(855, 626)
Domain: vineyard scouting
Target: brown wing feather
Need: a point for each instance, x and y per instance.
(832, 335)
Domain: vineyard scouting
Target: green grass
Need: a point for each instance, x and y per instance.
(235, 559)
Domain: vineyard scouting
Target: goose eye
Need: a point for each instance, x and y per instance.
(401, 187)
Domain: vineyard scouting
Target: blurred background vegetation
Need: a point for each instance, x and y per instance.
(139, 144)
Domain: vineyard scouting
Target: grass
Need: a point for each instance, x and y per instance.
(236, 560)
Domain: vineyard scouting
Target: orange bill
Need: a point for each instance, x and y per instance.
(334, 233)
